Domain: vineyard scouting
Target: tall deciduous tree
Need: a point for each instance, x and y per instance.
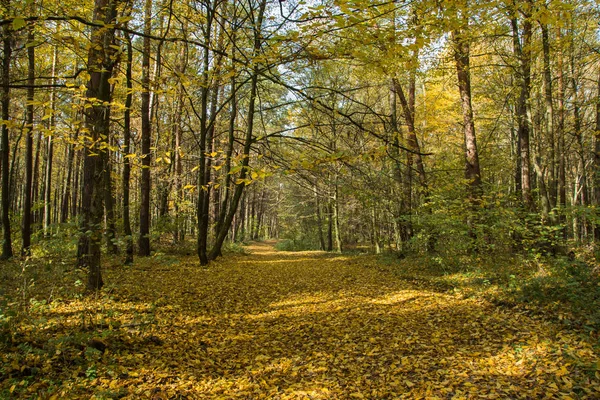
(100, 65)
(4, 145)
(522, 50)
(145, 186)
(462, 58)
(126, 154)
(27, 198)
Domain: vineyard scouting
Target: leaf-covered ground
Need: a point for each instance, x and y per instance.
(275, 325)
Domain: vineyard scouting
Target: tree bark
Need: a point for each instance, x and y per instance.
(67, 195)
(597, 158)
(462, 59)
(413, 142)
(4, 144)
(549, 121)
(109, 202)
(319, 218)
(126, 152)
(560, 136)
(337, 234)
(101, 62)
(26, 222)
(233, 110)
(50, 155)
(522, 52)
(203, 187)
(145, 186)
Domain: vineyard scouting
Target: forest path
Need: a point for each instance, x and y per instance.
(320, 326)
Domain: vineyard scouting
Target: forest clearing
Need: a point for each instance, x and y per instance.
(291, 325)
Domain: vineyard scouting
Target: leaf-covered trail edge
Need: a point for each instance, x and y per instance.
(303, 325)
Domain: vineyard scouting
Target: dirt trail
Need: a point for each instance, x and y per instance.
(309, 325)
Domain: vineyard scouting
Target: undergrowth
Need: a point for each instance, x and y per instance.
(269, 323)
(562, 287)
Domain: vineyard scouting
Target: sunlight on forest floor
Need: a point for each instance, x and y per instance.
(303, 325)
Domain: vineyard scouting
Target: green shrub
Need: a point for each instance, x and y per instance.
(297, 245)
(234, 248)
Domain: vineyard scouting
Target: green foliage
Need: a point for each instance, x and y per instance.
(556, 286)
(297, 245)
(60, 241)
(234, 248)
(570, 288)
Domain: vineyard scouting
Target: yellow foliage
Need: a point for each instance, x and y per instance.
(275, 325)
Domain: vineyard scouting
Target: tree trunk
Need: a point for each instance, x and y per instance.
(36, 177)
(126, 152)
(4, 145)
(597, 158)
(413, 142)
(65, 211)
(549, 121)
(231, 133)
(337, 234)
(101, 60)
(560, 135)
(179, 195)
(203, 188)
(50, 156)
(577, 132)
(330, 224)
(109, 202)
(26, 222)
(522, 52)
(144, 239)
(319, 217)
(462, 59)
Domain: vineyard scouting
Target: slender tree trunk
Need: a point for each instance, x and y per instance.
(577, 132)
(413, 142)
(253, 214)
(36, 177)
(402, 216)
(260, 213)
(77, 187)
(336, 218)
(228, 155)
(4, 145)
(203, 187)
(50, 156)
(26, 222)
(549, 121)
(330, 224)
(462, 59)
(179, 195)
(66, 197)
(210, 137)
(319, 217)
(231, 132)
(126, 152)
(597, 158)
(523, 55)
(109, 202)
(146, 135)
(560, 135)
(375, 231)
